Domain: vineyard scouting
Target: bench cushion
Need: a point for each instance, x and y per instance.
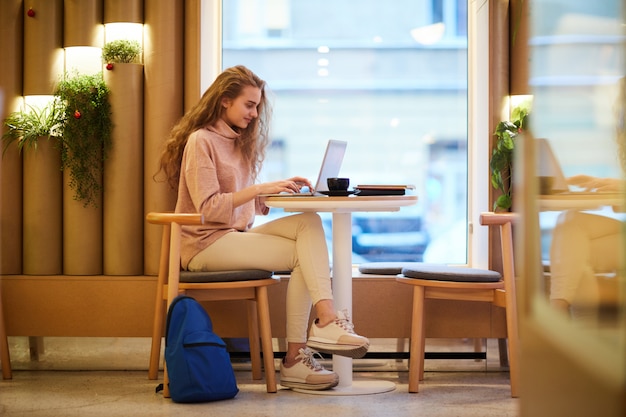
(224, 276)
(451, 273)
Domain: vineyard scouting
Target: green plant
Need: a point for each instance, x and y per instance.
(502, 154)
(121, 51)
(28, 125)
(86, 133)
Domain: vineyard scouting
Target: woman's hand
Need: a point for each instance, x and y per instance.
(589, 183)
(290, 185)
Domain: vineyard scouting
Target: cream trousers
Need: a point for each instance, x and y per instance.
(293, 243)
(583, 244)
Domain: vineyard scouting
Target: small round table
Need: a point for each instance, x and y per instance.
(342, 209)
(580, 201)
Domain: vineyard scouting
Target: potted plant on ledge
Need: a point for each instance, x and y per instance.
(502, 155)
(121, 51)
(26, 127)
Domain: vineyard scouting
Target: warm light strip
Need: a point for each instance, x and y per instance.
(128, 31)
(510, 102)
(38, 101)
(83, 59)
(519, 99)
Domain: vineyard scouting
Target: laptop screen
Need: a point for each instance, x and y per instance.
(549, 166)
(331, 164)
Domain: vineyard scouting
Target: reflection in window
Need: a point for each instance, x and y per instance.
(337, 71)
(577, 81)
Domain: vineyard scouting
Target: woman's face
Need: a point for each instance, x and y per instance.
(243, 109)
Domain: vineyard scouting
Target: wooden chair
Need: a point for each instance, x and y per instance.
(471, 284)
(5, 358)
(248, 285)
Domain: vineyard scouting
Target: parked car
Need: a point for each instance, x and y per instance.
(378, 237)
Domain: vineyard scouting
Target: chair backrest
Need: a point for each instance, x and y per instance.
(169, 261)
(505, 223)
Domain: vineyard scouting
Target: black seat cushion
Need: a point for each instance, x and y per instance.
(451, 273)
(386, 268)
(224, 276)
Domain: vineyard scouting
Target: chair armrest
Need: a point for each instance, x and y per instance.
(180, 218)
(494, 219)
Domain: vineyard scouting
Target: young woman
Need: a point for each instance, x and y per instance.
(213, 157)
(585, 244)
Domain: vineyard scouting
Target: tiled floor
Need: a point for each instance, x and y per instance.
(108, 377)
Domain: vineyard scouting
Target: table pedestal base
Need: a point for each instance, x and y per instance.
(357, 388)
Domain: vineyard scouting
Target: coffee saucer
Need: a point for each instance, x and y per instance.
(339, 193)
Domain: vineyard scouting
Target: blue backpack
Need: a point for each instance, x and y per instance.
(198, 364)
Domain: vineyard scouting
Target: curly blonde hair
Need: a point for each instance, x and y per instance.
(252, 140)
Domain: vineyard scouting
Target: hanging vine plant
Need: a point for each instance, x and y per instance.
(86, 133)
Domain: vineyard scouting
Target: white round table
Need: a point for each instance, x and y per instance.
(580, 201)
(342, 209)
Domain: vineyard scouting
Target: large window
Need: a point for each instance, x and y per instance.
(390, 78)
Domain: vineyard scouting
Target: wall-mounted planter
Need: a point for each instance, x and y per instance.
(82, 234)
(42, 209)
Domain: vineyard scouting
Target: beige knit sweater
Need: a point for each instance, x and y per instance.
(212, 170)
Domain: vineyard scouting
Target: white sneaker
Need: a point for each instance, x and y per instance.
(338, 338)
(307, 373)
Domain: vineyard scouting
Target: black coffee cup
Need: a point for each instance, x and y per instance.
(338, 184)
(546, 185)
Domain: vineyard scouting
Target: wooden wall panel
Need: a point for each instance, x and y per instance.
(11, 45)
(42, 230)
(192, 53)
(519, 55)
(83, 23)
(43, 43)
(163, 107)
(130, 11)
(123, 174)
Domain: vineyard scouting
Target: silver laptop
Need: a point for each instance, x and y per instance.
(331, 164)
(548, 166)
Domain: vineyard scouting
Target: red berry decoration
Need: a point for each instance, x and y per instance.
(109, 66)
(77, 114)
(30, 12)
